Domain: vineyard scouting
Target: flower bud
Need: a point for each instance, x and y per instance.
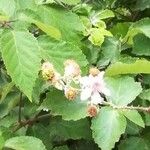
(48, 71)
(92, 110)
(94, 71)
(72, 69)
(70, 93)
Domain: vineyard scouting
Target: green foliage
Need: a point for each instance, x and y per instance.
(108, 130)
(59, 105)
(123, 96)
(26, 57)
(47, 46)
(24, 143)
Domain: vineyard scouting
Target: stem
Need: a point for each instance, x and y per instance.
(29, 122)
(138, 108)
(20, 104)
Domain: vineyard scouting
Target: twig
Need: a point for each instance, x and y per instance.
(29, 122)
(20, 105)
(138, 108)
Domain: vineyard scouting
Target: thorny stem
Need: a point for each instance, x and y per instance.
(138, 108)
(30, 121)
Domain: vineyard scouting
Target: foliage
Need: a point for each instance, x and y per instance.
(74, 74)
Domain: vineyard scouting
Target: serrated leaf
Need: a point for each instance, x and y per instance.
(134, 143)
(120, 94)
(139, 66)
(107, 128)
(134, 116)
(67, 22)
(145, 94)
(69, 51)
(141, 45)
(24, 143)
(59, 105)
(21, 56)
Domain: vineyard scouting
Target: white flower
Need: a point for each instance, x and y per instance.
(72, 69)
(92, 86)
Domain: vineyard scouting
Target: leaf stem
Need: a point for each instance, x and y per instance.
(138, 108)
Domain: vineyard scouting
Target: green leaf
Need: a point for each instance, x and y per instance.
(134, 116)
(69, 51)
(145, 94)
(141, 45)
(120, 92)
(29, 16)
(70, 2)
(24, 143)
(142, 26)
(27, 4)
(132, 128)
(21, 56)
(139, 66)
(107, 128)
(65, 130)
(59, 105)
(43, 133)
(104, 14)
(142, 4)
(7, 7)
(67, 22)
(134, 143)
(6, 89)
(110, 51)
(61, 148)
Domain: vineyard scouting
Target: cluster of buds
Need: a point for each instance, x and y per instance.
(91, 86)
(71, 73)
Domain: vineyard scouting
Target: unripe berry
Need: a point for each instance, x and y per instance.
(70, 93)
(48, 71)
(92, 110)
(94, 71)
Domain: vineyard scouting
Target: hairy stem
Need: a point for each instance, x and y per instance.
(138, 108)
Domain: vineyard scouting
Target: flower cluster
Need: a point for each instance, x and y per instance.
(92, 88)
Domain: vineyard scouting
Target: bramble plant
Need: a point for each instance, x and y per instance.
(75, 74)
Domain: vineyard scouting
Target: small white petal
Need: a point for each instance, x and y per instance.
(96, 98)
(84, 81)
(85, 93)
(106, 91)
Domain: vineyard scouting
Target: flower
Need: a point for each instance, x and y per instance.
(72, 69)
(92, 87)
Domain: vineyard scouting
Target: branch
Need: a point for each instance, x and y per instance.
(20, 104)
(138, 108)
(30, 121)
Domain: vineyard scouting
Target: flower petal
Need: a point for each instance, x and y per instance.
(85, 93)
(96, 98)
